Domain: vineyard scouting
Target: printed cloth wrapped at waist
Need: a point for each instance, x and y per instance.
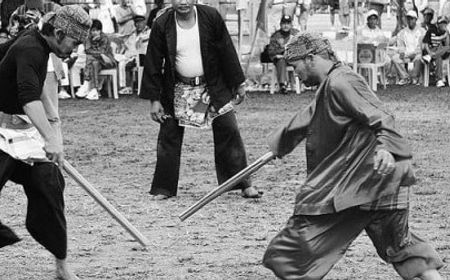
(20, 139)
(192, 106)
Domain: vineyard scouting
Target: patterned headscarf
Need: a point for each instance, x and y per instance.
(72, 19)
(304, 44)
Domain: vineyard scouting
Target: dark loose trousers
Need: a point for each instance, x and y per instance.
(44, 185)
(229, 153)
(309, 246)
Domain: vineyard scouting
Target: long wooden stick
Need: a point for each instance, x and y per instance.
(105, 204)
(228, 185)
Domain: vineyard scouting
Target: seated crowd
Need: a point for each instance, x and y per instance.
(118, 36)
(405, 55)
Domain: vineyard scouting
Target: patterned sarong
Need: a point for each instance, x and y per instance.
(22, 141)
(192, 106)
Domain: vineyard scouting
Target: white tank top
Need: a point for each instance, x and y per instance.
(188, 62)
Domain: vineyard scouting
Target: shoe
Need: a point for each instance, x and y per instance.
(403, 82)
(415, 81)
(440, 83)
(251, 192)
(126, 90)
(83, 91)
(283, 89)
(426, 58)
(92, 95)
(161, 197)
(63, 95)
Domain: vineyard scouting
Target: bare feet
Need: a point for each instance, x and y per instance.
(251, 192)
(63, 272)
(161, 197)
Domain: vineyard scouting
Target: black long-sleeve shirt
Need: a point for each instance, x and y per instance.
(22, 72)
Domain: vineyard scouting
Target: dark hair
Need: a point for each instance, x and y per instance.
(96, 24)
(47, 29)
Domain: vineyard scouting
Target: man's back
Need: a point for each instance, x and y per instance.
(27, 55)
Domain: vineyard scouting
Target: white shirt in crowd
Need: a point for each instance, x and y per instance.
(188, 62)
(409, 41)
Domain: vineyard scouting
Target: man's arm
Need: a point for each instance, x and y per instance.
(283, 140)
(29, 63)
(53, 148)
(152, 78)
(355, 100)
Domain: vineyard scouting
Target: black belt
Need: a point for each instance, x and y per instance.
(195, 81)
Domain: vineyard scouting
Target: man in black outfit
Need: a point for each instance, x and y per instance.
(31, 149)
(193, 45)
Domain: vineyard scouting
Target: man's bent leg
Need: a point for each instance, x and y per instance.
(165, 178)
(411, 256)
(7, 165)
(44, 187)
(280, 64)
(229, 151)
(309, 246)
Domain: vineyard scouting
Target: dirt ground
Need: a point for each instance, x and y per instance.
(112, 143)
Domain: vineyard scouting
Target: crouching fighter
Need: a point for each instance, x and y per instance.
(30, 136)
(359, 173)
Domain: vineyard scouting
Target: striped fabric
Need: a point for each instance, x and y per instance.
(397, 201)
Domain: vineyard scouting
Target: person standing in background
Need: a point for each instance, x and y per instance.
(193, 78)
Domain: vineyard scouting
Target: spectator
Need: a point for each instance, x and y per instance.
(428, 15)
(98, 56)
(278, 41)
(409, 43)
(378, 5)
(4, 35)
(437, 47)
(344, 15)
(334, 8)
(124, 17)
(151, 17)
(7, 8)
(302, 11)
(142, 34)
(135, 45)
(371, 32)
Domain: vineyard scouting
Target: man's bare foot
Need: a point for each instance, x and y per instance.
(63, 272)
(251, 192)
(160, 197)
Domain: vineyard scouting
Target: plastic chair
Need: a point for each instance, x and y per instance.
(112, 76)
(292, 78)
(426, 72)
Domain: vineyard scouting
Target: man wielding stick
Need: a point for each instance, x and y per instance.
(28, 117)
(359, 173)
(193, 77)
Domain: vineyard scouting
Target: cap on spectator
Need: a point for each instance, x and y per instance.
(138, 18)
(304, 44)
(34, 4)
(442, 19)
(411, 13)
(72, 19)
(428, 10)
(372, 13)
(286, 19)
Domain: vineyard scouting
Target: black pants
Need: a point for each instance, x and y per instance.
(229, 152)
(44, 185)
